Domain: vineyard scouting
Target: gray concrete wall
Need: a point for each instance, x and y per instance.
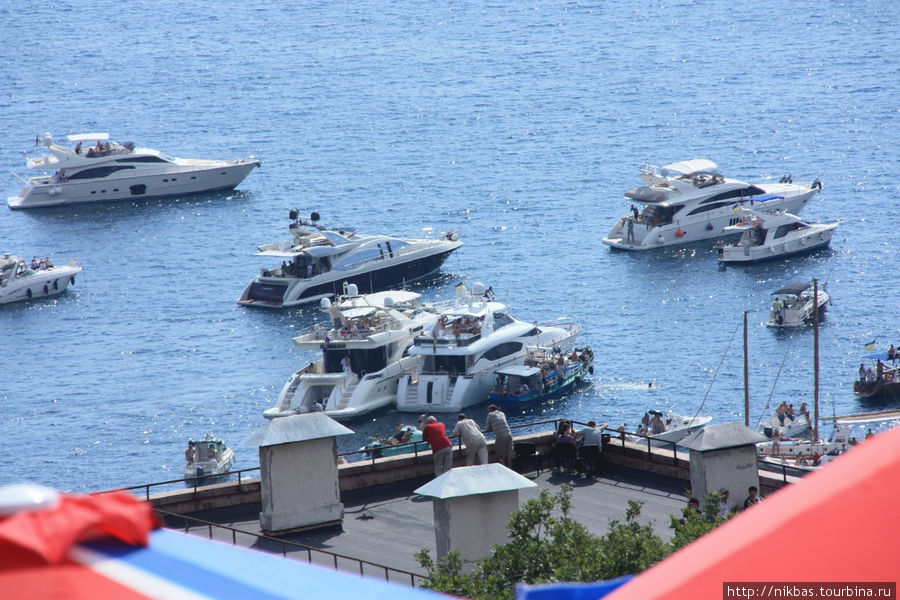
(359, 475)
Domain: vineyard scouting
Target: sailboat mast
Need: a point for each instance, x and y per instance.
(746, 377)
(815, 435)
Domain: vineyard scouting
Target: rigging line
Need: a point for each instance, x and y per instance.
(777, 375)
(716, 374)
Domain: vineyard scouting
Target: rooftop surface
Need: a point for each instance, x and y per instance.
(386, 525)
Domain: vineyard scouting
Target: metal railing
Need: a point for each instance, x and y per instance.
(261, 541)
(371, 455)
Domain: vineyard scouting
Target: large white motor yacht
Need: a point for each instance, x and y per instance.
(97, 170)
(472, 339)
(766, 236)
(23, 281)
(318, 261)
(363, 355)
(688, 201)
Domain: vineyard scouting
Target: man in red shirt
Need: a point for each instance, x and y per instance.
(441, 448)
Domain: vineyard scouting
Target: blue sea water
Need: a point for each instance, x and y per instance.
(518, 125)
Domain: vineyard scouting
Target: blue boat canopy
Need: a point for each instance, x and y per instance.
(519, 371)
(765, 197)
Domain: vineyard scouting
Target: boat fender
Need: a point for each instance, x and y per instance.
(680, 232)
(72, 280)
(56, 284)
(28, 292)
(660, 240)
(888, 376)
(591, 369)
(709, 226)
(46, 290)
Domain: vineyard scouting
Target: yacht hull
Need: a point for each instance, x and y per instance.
(283, 292)
(732, 255)
(173, 181)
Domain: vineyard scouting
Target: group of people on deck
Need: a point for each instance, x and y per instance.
(786, 412)
(39, 265)
(192, 454)
(460, 325)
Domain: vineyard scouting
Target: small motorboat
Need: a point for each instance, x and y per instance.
(767, 236)
(208, 456)
(546, 373)
(804, 455)
(406, 440)
(103, 171)
(23, 281)
(661, 427)
(794, 305)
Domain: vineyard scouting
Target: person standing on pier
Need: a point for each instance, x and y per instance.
(441, 447)
(503, 444)
(476, 445)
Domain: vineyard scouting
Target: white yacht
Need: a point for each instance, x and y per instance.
(471, 340)
(669, 428)
(363, 355)
(794, 305)
(98, 170)
(317, 261)
(23, 281)
(688, 201)
(766, 236)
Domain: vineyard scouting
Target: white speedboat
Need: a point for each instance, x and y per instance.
(767, 236)
(23, 281)
(805, 455)
(97, 170)
(472, 339)
(689, 201)
(794, 305)
(317, 261)
(662, 427)
(363, 358)
(207, 456)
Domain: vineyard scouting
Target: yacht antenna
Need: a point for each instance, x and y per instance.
(746, 378)
(815, 435)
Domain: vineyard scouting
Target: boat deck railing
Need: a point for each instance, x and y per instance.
(292, 550)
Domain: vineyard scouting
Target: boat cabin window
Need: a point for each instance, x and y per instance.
(437, 363)
(501, 350)
(361, 258)
(142, 159)
(96, 172)
(659, 215)
(783, 230)
(708, 207)
(501, 320)
(368, 361)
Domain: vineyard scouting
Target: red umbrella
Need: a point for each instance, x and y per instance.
(836, 525)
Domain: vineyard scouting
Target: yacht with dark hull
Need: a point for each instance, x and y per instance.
(98, 170)
(318, 262)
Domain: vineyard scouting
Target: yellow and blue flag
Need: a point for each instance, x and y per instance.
(870, 345)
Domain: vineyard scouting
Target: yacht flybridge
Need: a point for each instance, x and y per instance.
(98, 170)
(473, 338)
(317, 262)
(363, 355)
(688, 201)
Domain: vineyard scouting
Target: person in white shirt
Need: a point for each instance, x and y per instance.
(476, 445)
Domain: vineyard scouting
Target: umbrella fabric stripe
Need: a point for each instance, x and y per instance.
(148, 584)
